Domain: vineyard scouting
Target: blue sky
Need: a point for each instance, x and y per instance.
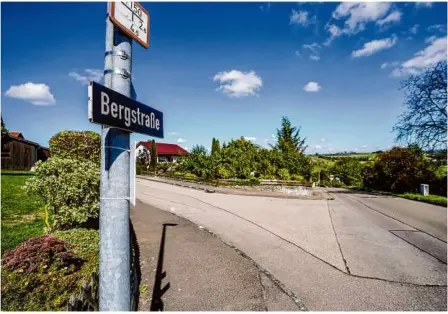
(227, 70)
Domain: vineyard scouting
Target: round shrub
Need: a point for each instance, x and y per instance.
(85, 145)
(69, 189)
(297, 177)
(283, 174)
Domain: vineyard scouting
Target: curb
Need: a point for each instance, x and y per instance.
(324, 195)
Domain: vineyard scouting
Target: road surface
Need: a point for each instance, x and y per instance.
(356, 252)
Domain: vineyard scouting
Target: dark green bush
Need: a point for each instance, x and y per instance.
(84, 145)
(349, 171)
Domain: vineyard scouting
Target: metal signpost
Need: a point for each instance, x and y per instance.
(111, 106)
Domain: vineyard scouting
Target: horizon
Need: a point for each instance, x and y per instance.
(334, 69)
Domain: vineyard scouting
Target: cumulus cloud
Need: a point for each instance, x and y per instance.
(87, 76)
(315, 58)
(173, 133)
(301, 18)
(250, 138)
(37, 94)
(181, 140)
(356, 15)
(374, 46)
(428, 57)
(312, 87)
(270, 139)
(238, 84)
(393, 17)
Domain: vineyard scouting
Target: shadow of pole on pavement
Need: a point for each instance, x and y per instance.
(158, 291)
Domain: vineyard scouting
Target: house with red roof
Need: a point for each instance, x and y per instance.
(165, 152)
(19, 153)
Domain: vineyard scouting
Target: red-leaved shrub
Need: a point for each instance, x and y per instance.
(40, 251)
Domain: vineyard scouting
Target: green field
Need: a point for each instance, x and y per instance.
(22, 216)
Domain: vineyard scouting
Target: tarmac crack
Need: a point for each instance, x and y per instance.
(337, 240)
(263, 292)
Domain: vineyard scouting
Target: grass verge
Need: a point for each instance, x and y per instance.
(21, 213)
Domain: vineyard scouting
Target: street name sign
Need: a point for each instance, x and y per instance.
(132, 19)
(110, 108)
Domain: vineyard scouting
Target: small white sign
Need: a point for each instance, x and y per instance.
(132, 19)
(132, 160)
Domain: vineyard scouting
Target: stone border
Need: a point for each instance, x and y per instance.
(317, 195)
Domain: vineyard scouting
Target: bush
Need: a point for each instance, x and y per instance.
(139, 169)
(297, 177)
(349, 171)
(69, 189)
(37, 252)
(178, 174)
(268, 177)
(189, 176)
(254, 181)
(223, 172)
(49, 287)
(84, 145)
(399, 170)
(283, 174)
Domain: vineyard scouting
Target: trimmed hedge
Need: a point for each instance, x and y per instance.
(76, 145)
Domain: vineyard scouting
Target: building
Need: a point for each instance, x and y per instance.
(165, 152)
(19, 153)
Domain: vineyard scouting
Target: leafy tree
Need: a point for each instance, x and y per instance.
(425, 121)
(289, 137)
(216, 148)
(399, 170)
(348, 170)
(144, 158)
(154, 156)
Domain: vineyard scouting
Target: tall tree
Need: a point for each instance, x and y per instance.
(154, 156)
(4, 132)
(216, 148)
(288, 138)
(425, 121)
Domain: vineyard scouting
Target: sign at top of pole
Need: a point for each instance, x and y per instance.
(132, 19)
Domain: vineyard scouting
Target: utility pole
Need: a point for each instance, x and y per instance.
(114, 275)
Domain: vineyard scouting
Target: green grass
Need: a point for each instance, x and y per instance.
(431, 199)
(21, 213)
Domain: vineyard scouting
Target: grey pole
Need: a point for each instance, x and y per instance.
(114, 274)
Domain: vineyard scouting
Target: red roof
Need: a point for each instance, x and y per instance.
(166, 149)
(16, 134)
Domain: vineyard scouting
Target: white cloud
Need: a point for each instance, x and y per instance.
(334, 31)
(270, 139)
(37, 94)
(87, 76)
(301, 17)
(237, 84)
(430, 56)
(297, 53)
(312, 47)
(423, 4)
(315, 58)
(312, 87)
(414, 29)
(265, 7)
(374, 46)
(173, 133)
(437, 28)
(250, 138)
(317, 147)
(389, 64)
(364, 146)
(322, 140)
(181, 140)
(358, 14)
(395, 16)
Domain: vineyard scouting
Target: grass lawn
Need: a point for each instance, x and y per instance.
(21, 214)
(431, 199)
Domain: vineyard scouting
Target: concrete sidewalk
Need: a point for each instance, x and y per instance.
(186, 268)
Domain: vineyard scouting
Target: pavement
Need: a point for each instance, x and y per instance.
(186, 268)
(350, 253)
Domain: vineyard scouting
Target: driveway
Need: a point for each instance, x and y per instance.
(334, 255)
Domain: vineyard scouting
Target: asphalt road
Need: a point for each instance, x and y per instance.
(356, 252)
